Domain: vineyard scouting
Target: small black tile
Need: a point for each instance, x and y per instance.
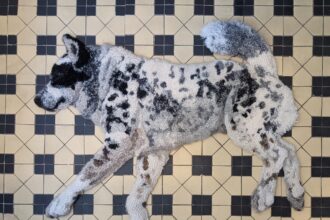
(44, 124)
(8, 44)
(320, 167)
(201, 205)
(40, 203)
(320, 126)
(287, 80)
(281, 207)
(44, 164)
(243, 7)
(41, 81)
(87, 39)
(320, 206)
(321, 8)
(86, 8)
(240, 205)
(80, 161)
(204, 7)
(119, 202)
(7, 162)
(46, 45)
(8, 84)
(168, 168)
(164, 45)
(126, 41)
(282, 45)
(83, 126)
(241, 166)
(126, 169)
(199, 48)
(8, 7)
(321, 45)
(46, 8)
(84, 205)
(283, 7)
(162, 204)
(125, 7)
(7, 124)
(202, 165)
(6, 203)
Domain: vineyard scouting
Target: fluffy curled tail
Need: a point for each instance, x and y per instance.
(234, 38)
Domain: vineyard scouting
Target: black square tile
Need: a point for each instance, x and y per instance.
(283, 7)
(126, 169)
(46, 45)
(8, 44)
(201, 205)
(320, 207)
(83, 126)
(282, 45)
(6, 203)
(199, 48)
(8, 7)
(321, 45)
(321, 8)
(162, 204)
(84, 205)
(320, 167)
(44, 124)
(243, 7)
(80, 161)
(40, 203)
(126, 41)
(164, 7)
(41, 81)
(86, 8)
(87, 39)
(202, 165)
(204, 7)
(7, 162)
(321, 86)
(119, 202)
(7, 84)
(44, 164)
(125, 7)
(320, 126)
(163, 45)
(281, 207)
(7, 124)
(46, 8)
(240, 205)
(168, 168)
(241, 166)
(287, 80)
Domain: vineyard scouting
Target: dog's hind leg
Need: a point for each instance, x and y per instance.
(295, 191)
(106, 161)
(149, 167)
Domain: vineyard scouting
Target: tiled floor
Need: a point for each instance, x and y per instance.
(40, 152)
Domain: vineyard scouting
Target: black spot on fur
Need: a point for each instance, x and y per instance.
(163, 85)
(245, 115)
(235, 108)
(182, 78)
(113, 97)
(264, 141)
(125, 114)
(144, 204)
(229, 66)
(165, 103)
(141, 93)
(124, 105)
(130, 67)
(65, 75)
(219, 66)
(262, 105)
(113, 146)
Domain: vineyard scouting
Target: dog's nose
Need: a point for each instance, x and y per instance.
(38, 102)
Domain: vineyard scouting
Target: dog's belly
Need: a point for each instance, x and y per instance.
(196, 119)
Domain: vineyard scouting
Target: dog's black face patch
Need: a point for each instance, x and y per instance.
(64, 75)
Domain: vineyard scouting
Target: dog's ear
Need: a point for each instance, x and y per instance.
(76, 50)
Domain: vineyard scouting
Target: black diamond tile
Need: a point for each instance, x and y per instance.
(201, 205)
(126, 169)
(282, 45)
(46, 45)
(7, 162)
(7, 84)
(83, 126)
(80, 161)
(202, 165)
(126, 41)
(164, 45)
(8, 44)
(46, 8)
(6, 203)
(7, 124)
(44, 164)
(320, 207)
(321, 86)
(44, 124)
(40, 203)
(84, 205)
(240, 205)
(241, 166)
(281, 207)
(8, 7)
(119, 202)
(41, 81)
(162, 204)
(320, 167)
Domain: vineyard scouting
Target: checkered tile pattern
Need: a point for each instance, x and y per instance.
(41, 152)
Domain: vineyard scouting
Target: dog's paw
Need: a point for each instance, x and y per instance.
(60, 206)
(296, 198)
(261, 200)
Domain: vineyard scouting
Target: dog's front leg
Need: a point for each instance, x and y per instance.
(116, 151)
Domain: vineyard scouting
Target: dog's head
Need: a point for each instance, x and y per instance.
(66, 77)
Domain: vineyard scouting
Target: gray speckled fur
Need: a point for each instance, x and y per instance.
(148, 107)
